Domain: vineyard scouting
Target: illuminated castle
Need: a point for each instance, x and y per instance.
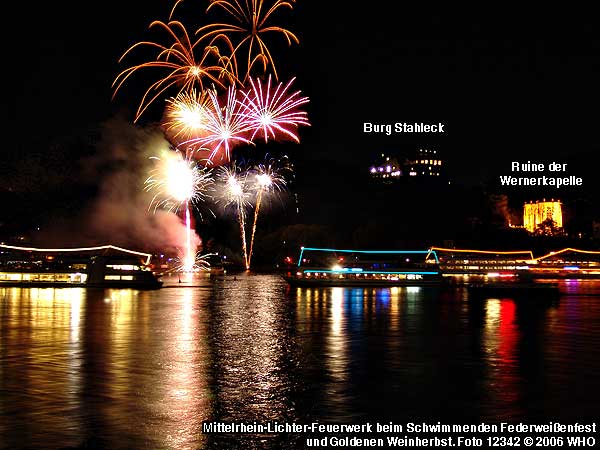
(423, 163)
(388, 170)
(543, 217)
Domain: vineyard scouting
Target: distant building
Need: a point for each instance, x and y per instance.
(388, 169)
(423, 163)
(543, 217)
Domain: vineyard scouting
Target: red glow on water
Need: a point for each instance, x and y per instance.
(508, 331)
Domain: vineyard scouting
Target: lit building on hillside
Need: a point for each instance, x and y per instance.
(423, 163)
(387, 170)
(543, 217)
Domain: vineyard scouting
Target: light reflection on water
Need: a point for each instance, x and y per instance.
(126, 369)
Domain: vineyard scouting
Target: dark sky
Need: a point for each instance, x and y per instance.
(507, 84)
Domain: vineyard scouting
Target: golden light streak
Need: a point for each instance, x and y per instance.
(79, 249)
(589, 252)
(250, 24)
(487, 252)
(180, 66)
(336, 339)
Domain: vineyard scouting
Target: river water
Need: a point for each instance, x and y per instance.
(125, 369)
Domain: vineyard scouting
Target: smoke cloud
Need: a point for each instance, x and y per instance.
(120, 213)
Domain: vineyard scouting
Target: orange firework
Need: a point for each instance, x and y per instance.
(184, 69)
(187, 115)
(251, 19)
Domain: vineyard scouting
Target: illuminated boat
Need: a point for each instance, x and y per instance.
(568, 263)
(341, 267)
(105, 267)
(460, 263)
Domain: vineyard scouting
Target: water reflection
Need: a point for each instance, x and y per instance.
(500, 339)
(254, 358)
(336, 341)
(45, 368)
(395, 312)
(364, 334)
(336, 351)
(116, 369)
(184, 395)
(102, 369)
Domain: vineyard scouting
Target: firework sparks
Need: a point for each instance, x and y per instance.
(183, 68)
(179, 182)
(176, 182)
(268, 178)
(251, 22)
(186, 115)
(235, 192)
(189, 251)
(272, 111)
(225, 128)
(196, 263)
(203, 125)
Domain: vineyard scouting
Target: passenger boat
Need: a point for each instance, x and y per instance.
(342, 267)
(106, 266)
(568, 263)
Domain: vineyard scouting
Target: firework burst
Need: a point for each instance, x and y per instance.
(235, 191)
(187, 115)
(225, 128)
(272, 111)
(181, 67)
(185, 262)
(268, 178)
(176, 181)
(251, 22)
(206, 116)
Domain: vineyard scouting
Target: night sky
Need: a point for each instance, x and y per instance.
(507, 84)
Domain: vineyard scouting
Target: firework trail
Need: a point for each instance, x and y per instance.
(206, 116)
(267, 178)
(189, 252)
(183, 68)
(273, 111)
(235, 193)
(250, 23)
(179, 182)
